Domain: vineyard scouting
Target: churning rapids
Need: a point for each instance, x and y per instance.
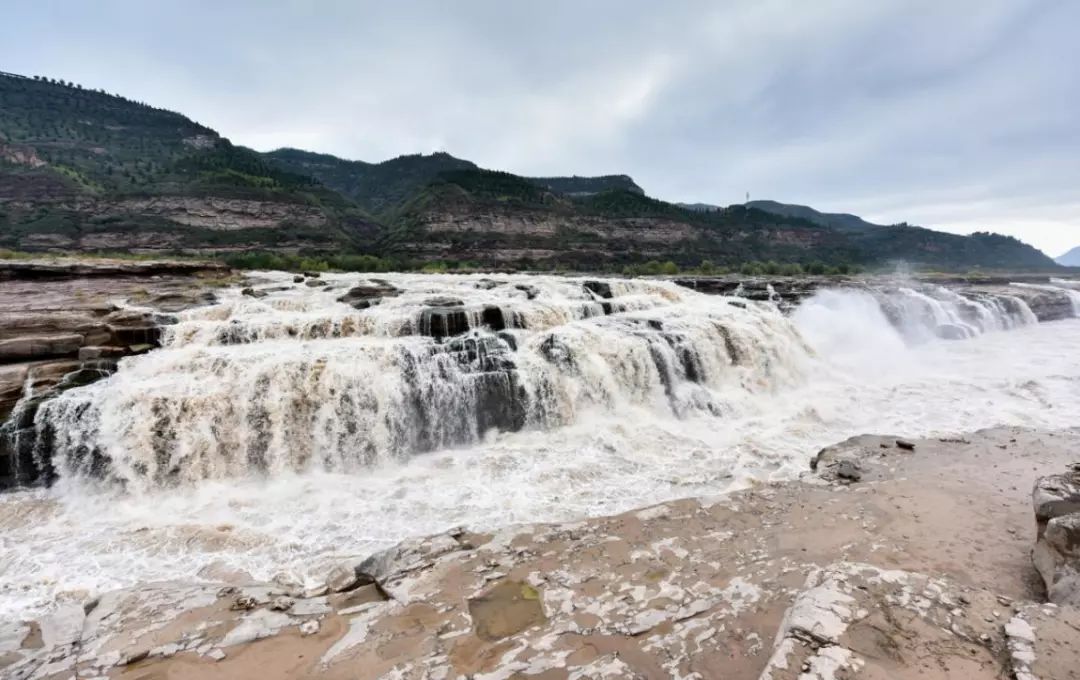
(286, 430)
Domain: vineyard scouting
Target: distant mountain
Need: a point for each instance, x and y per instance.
(585, 186)
(1071, 258)
(376, 187)
(379, 187)
(85, 170)
(835, 220)
(918, 244)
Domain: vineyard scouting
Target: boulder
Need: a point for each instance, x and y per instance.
(367, 294)
(600, 289)
(1057, 547)
(531, 292)
(1056, 495)
(1057, 558)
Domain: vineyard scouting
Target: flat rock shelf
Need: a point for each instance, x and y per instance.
(919, 568)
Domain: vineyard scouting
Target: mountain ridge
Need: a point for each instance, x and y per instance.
(84, 170)
(837, 220)
(1070, 259)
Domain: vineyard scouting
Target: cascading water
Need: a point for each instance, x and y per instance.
(935, 312)
(285, 430)
(298, 381)
(1069, 288)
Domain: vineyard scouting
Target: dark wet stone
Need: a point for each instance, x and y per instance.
(530, 291)
(444, 302)
(367, 294)
(848, 470)
(443, 322)
(510, 340)
(601, 289)
(493, 318)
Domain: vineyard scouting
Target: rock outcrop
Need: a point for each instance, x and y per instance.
(1057, 548)
(366, 295)
(66, 323)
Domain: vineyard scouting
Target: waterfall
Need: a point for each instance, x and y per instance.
(1071, 288)
(1064, 290)
(357, 373)
(935, 312)
(289, 378)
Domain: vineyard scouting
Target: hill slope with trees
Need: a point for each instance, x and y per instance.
(84, 170)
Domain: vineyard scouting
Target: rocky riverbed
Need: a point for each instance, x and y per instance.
(892, 559)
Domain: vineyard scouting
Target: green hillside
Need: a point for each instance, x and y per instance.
(580, 186)
(386, 186)
(376, 187)
(836, 220)
(81, 169)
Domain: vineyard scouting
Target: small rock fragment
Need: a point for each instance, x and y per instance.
(848, 470)
(282, 604)
(243, 603)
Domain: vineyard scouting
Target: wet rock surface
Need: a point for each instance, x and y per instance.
(917, 570)
(371, 293)
(1048, 300)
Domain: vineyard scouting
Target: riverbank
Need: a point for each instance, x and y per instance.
(911, 559)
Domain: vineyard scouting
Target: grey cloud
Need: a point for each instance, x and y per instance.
(959, 115)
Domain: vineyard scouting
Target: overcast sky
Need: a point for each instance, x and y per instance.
(957, 114)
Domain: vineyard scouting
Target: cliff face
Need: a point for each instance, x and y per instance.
(149, 223)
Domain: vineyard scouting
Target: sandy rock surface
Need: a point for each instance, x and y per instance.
(921, 568)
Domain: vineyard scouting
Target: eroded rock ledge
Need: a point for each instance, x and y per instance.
(912, 563)
(67, 322)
